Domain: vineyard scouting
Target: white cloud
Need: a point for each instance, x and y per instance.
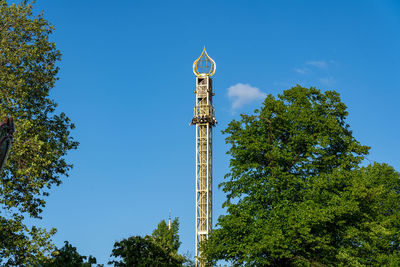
(329, 81)
(243, 94)
(302, 70)
(319, 64)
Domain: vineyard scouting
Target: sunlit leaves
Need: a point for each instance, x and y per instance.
(28, 69)
(296, 194)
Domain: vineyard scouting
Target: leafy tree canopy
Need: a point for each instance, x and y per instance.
(296, 194)
(166, 236)
(68, 256)
(159, 249)
(37, 159)
(139, 251)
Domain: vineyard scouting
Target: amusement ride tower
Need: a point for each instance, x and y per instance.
(203, 67)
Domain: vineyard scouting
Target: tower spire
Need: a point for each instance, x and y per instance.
(169, 220)
(203, 67)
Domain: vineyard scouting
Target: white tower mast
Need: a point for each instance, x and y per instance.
(204, 67)
(169, 220)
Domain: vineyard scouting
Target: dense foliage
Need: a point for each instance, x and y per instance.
(166, 236)
(68, 256)
(296, 194)
(159, 249)
(139, 251)
(37, 159)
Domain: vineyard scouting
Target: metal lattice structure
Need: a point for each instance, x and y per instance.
(204, 67)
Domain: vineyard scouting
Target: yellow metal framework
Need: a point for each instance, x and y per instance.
(204, 119)
(204, 65)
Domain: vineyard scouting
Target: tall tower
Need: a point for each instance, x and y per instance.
(203, 67)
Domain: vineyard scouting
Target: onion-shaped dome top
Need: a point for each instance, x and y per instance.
(204, 65)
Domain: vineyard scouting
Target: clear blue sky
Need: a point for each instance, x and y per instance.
(126, 81)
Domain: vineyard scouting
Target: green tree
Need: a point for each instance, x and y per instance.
(37, 159)
(167, 237)
(139, 251)
(159, 249)
(296, 194)
(68, 256)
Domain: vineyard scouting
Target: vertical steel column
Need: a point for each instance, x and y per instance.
(204, 120)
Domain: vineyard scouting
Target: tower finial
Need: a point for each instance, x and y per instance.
(204, 65)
